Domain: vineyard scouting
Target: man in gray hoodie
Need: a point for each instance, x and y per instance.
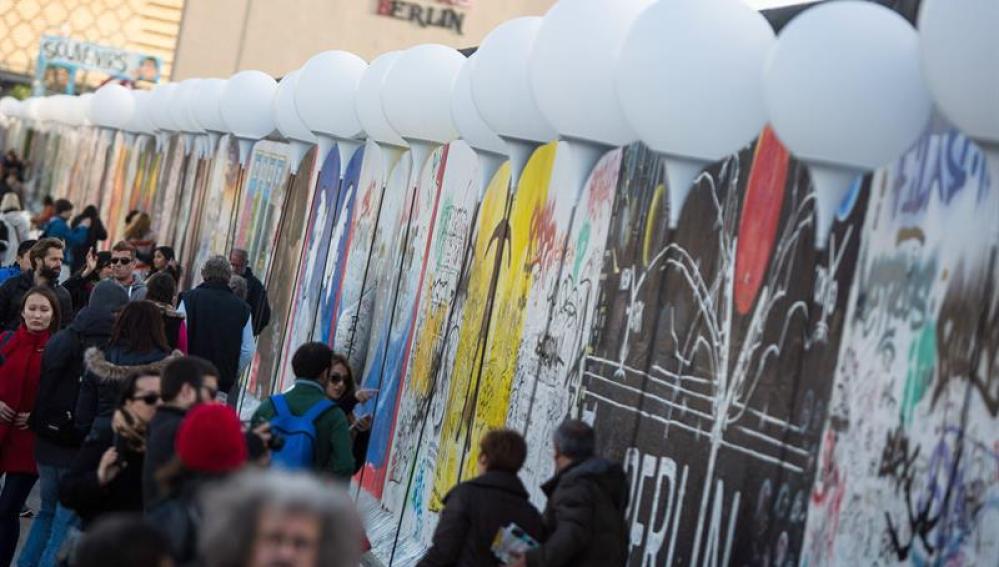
(123, 270)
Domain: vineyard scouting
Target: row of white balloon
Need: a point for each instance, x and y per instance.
(695, 80)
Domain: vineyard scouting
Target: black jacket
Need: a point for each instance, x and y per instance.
(215, 322)
(584, 517)
(260, 306)
(79, 289)
(95, 234)
(160, 436)
(107, 370)
(473, 512)
(62, 370)
(80, 491)
(12, 292)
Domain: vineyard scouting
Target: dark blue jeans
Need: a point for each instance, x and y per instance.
(51, 524)
(16, 487)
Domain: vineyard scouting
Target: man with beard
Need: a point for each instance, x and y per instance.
(46, 260)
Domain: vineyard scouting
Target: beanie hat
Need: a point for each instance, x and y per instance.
(108, 296)
(211, 440)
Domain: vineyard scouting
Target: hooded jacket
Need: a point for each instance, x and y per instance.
(22, 364)
(137, 290)
(473, 512)
(107, 370)
(584, 517)
(62, 368)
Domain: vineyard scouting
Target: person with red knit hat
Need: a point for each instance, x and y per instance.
(210, 440)
(210, 446)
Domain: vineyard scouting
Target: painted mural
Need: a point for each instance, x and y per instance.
(909, 457)
(284, 247)
(352, 289)
(772, 404)
(318, 230)
(388, 363)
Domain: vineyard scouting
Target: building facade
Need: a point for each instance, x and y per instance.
(220, 37)
(146, 27)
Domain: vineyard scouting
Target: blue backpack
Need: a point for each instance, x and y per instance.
(299, 432)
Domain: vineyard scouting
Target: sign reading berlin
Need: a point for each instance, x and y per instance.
(427, 16)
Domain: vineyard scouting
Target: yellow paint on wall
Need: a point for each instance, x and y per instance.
(467, 414)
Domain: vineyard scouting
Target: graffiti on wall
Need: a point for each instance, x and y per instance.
(910, 456)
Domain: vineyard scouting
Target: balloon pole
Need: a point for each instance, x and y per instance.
(346, 148)
(392, 155)
(519, 151)
(681, 172)
(584, 155)
(419, 151)
(489, 164)
(831, 184)
(245, 151)
(324, 147)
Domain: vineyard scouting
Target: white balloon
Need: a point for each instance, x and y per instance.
(842, 85)
(326, 91)
(368, 102)
(10, 106)
(83, 107)
(140, 122)
(32, 108)
(466, 116)
(207, 111)
(501, 85)
(959, 45)
(246, 104)
(159, 108)
(690, 77)
(112, 106)
(572, 68)
(286, 118)
(181, 105)
(845, 94)
(416, 95)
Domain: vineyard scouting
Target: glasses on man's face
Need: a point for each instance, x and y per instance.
(336, 378)
(150, 399)
(122, 261)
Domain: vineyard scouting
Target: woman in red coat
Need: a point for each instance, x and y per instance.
(20, 369)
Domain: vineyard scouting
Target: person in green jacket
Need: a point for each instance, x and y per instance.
(312, 364)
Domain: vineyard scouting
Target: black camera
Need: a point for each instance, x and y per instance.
(276, 443)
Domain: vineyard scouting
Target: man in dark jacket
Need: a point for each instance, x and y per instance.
(185, 382)
(219, 327)
(256, 295)
(587, 498)
(57, 439)
(474, 511)
(46, 257)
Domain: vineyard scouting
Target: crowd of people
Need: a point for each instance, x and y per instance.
(117, 397)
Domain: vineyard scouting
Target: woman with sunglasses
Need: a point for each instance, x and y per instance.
(20, 371)
(342, 389)
(106, 475)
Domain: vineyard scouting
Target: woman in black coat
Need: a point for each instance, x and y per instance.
(476, 510)
(106, 475)
(138, 346)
